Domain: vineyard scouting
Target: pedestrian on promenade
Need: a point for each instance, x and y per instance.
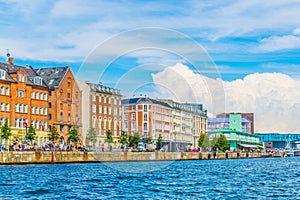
(102, 147)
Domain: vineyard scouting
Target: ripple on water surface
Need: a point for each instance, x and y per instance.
(276, 178)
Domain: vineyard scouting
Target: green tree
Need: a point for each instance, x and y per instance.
(160, 138)
(5, 132)
(31, 133)
(148, 139)
(109, 138)
(222, 143)
(214, 141)
(73, 135)
(201, 140)
(206, 143)
(53, 135)
(92, 137)
(134, 140)
(123, 139)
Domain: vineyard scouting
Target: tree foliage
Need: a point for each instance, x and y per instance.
(222, 143)
(123, 139)
(160, 138)
(108, 138)
(5, 132)
(73, 135)
(134, 140)
(201, 140)
(148, 139)
(31, 133)
(91, 136)
(206, 143)
(53, 135)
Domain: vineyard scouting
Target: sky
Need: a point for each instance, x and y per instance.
(231, 56)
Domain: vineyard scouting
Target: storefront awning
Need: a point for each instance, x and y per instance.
(248, 145)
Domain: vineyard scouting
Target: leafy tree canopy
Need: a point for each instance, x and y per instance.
(91, 136)
(31, 135)
(53, 135)
(109, 138)
(123, 139)
(73, 135)
(134, 140)
(222, 143)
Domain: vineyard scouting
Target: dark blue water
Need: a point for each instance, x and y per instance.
(272, 178)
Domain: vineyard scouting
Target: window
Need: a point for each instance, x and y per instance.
(17, 107)
(25, 108)
(104, 110)
(93, 108)
(45, 97)
(45, 111)
(104, 99)
(93, 121)
(41, 111)
(2, 74)
(49, 116)
(145, 117)
(115, 101)
(69, 84)
(61, 128)
(32, 123)
(100, 109)
(145, 108)
(32, 110)
(37, 110)
(37, 81)
(41, 96)
(145, 127)
(37, 95)
(133, 116)
(1, 121)
(69, 95)
(69, 117)
(7, 107)
(17, 122)
(21, 93)
(109, 111)
(61, 116)
(2, 90)
(100, 97)
(21, 108)
(32, 94)
(7, 91)
(37, 125)
(49, 105)
(93, 97)
(115, 111)
(108, 99)
(2, 106)
(21, 78)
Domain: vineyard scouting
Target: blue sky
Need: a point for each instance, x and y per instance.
(246, 40)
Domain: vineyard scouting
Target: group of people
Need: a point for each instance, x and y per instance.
(45, 146)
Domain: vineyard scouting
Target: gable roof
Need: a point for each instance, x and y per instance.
(30, 73)
(53, 75)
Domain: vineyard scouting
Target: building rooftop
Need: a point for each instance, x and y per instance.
(225, 120)
(103, 89)
(53, 75)
(144, 99)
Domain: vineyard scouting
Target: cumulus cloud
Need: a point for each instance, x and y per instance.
(274, 98)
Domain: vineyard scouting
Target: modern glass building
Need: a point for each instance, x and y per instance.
(236, 139)
(278, 140)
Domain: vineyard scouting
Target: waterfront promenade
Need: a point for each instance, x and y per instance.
(36, 157)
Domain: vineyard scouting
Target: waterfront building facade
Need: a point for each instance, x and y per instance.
(279, 140)
(101, 110)
(64, 101)
(147, 117)
(234, 121)
(23, 101)
(246, 116)
(236, 139)
(189, 122)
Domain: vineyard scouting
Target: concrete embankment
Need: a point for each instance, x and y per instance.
(36, 157)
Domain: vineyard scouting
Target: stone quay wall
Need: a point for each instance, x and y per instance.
(36, 157)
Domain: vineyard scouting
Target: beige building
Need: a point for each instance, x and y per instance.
(101, 110)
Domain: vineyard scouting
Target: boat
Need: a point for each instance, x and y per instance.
(297, 150)
(289, 152)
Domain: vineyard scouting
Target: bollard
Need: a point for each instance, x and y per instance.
(226, 155)
(208, 156)
(200, 156)
(52, 157)
(215, 154)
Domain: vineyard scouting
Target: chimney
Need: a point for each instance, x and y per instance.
(10, 61)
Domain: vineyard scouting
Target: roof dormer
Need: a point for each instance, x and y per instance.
(37, 80)
(2, 74)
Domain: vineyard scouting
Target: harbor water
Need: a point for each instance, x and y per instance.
(268, 178)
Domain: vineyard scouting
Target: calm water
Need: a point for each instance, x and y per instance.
(273, 178)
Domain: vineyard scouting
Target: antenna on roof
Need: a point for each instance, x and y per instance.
(7, 53)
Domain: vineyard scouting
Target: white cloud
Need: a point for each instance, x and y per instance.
(276, 43)
(273, 97)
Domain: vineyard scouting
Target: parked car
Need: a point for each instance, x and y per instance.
(140, 146)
